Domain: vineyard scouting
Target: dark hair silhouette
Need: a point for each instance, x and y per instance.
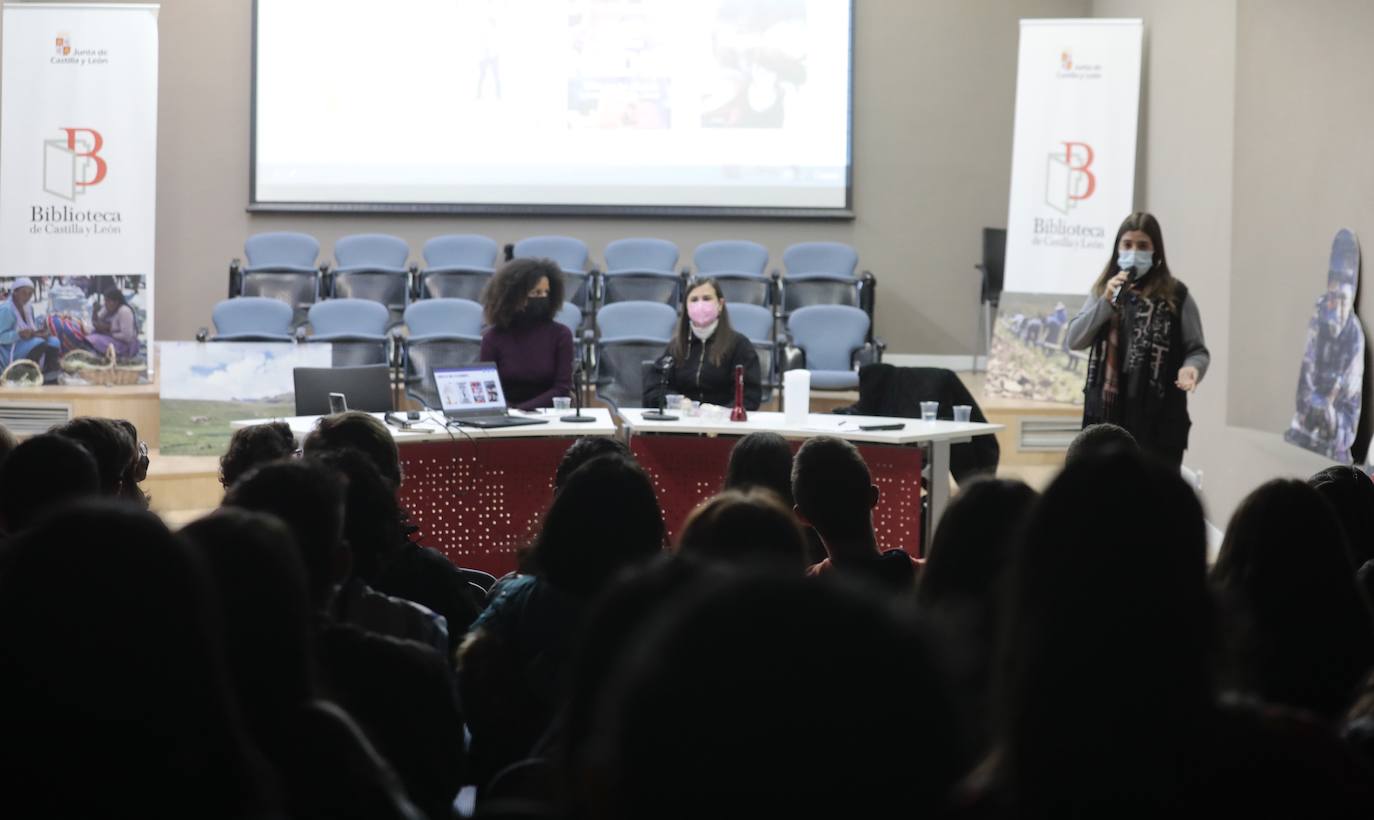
(326, 765)
(112, 682)
(358, 431)
(745, 528)
(372, 518)
(42, 473)
(8, 442)
(1100, 439)
(1351, 494)
(255, 445)
(504, 296)
(309, 499)
(708, 714)
(1105, 684)
(761, 460)
(111, 445)
(576, 550)
(585, 449)
(832, 486)
(963, 586)
(1301, 634)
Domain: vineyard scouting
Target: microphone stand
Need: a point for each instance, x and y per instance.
(577, 399)
(659, 414)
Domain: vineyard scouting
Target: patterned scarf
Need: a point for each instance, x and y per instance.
(1147, 327)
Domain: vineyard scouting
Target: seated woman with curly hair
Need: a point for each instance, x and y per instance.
(533, 353)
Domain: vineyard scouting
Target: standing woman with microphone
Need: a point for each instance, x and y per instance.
(1144, 336)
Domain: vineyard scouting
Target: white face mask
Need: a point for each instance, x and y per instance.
(1139, 261)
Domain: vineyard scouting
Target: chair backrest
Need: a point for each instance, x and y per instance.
(390, 288)
(569, 316)
(569, 253)
(247, 315)
(819, 290)
(755, 322)
(354, 317)
(829, 334)
(745, 288)
(367, 388)
(632, 286)
(640, 255)
(371, 250)
(461, 250)
(454, 284)
(620, 370)
(284, 248)
(737, 255)
(444, 317)
(834, 258)
(297, 289)
(636, 320)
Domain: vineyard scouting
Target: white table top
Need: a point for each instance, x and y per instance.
(430, 428)
(914, 431)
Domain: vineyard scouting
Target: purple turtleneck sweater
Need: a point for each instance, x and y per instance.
(534, 360)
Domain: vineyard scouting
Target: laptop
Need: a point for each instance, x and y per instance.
(471, 395)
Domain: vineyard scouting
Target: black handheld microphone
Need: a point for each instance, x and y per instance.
(1130, 278)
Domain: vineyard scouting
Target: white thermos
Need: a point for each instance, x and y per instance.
(796, 396)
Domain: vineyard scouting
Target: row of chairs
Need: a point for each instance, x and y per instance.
(376, 267)
(831, 341)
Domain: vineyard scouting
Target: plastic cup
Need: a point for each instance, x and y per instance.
(962, 412)
(673, 401)
(929, 409)
(562, 403)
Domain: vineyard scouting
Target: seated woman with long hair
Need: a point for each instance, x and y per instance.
(705, 350)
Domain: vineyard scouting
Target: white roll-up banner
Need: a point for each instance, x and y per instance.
(78, 180)
(1072, 183)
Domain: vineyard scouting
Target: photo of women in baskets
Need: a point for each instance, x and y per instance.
(73, 330)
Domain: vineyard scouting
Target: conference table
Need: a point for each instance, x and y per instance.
(477, 494)
(687, 458)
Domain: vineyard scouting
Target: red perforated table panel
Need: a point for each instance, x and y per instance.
(688, 469)
(479, 500)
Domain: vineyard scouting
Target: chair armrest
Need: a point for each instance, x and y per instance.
(299, 333)
(509, 251)
(791, 357)
(868, 286)
(202, 334)
(870, 353)
(235, 278)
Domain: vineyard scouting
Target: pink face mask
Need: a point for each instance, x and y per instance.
(703, 313)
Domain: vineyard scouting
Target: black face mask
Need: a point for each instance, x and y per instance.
(535, 309)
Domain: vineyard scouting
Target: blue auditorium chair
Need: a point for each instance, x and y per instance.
(252, 319)
(457, 266)
(641, 270)
(831, 341)
(738, 265)
(372, 266)
(824, 273)
(443, 333)
(758, 326)
(628, 334)
(281, 265)
(355, 327)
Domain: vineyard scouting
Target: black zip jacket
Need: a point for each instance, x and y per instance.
(699, 380)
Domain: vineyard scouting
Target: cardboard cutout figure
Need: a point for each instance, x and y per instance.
(1331, 379)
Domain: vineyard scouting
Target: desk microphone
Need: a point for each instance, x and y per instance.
(663, 365)
(577, 398)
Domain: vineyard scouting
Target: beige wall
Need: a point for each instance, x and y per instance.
(934, 84)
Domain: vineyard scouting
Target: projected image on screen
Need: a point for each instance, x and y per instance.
(605, 104)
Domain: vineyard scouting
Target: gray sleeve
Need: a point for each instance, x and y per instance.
(1083, 328)
(1195, 349)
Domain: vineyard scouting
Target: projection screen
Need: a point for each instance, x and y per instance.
(552, 106)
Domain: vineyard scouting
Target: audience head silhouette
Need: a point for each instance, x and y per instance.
(111, 445)
(576, 550)
(309, 499)
(1100, 439)
(585, 449)
(252, 446)
(761, 460)
(709, 715)
(1302, 635)
(356, 430)
(750, 527)
(372, 517)
(833, 489)
(1107, 638)
(42, 473)
(112, 682)
(1350, 492)
(974, 542)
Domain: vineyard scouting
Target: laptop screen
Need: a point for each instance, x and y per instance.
(472, 390)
